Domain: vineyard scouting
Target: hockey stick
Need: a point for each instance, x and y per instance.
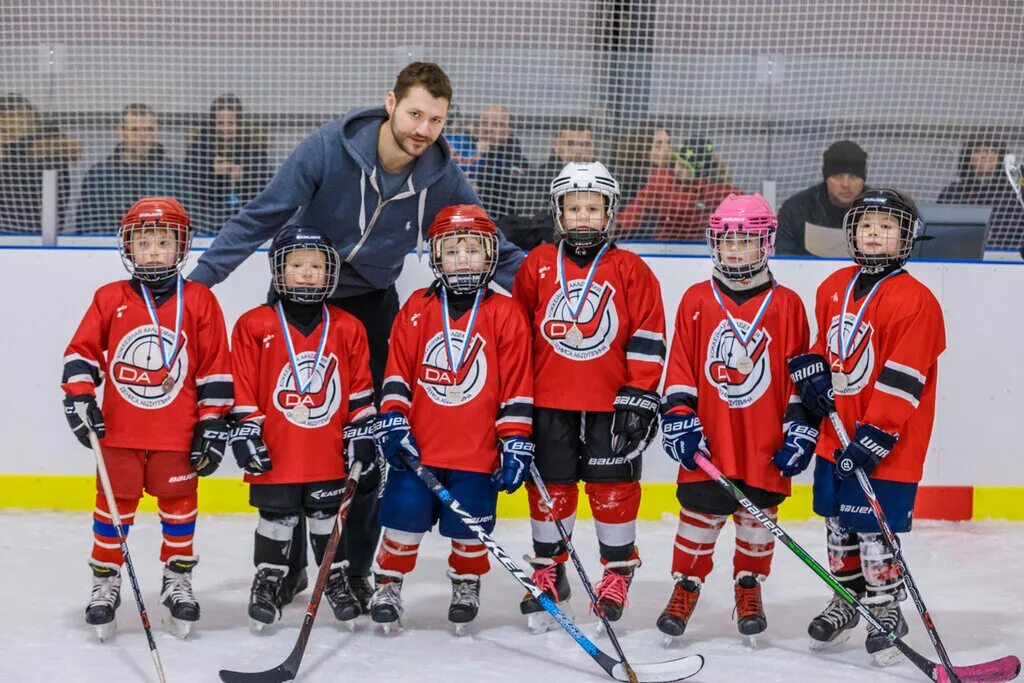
(289, 668)
(1013, 174)
(539, 483)
(995, 671)
(661, 672)
(115, 517)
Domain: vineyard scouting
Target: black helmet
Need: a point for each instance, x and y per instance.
(295, 238)
(886, 248)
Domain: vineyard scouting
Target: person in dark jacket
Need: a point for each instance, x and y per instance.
(372, 180)
(226, 165)
(501, 167)
(845, 170)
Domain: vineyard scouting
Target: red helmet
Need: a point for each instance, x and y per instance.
(146, 216)
(473, 262)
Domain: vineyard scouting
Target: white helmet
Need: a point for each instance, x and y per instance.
(577, 177)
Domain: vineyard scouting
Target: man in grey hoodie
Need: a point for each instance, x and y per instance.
(373, 180)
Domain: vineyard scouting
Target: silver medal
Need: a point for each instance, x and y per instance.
(574, 337)
(454, 394)
(840, 381)
(745, 365)
(168, 384)
(300, 412)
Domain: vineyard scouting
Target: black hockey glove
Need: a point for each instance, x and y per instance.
(246, 443)
(813, 380)
(635, 421)
(866, 449)
(360, 447)
(797, 449)
(93, 416)
(209, 441)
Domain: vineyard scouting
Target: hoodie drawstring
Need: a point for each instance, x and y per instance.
(419, 222)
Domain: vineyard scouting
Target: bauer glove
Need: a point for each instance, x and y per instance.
(516, 458)
(93, 416)
(246, 443)
(394, 438)
(683, 438)
(360, 447)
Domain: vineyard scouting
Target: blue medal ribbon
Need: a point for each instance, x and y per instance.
(452, 364)
(585, 292)
(744, 340)
(151, 307)
(303, 387)
(844, 349)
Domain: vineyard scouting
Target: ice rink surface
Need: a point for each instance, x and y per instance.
(968, 572)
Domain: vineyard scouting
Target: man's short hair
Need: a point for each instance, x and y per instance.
(138, 109)
(426, 74)
(573, 123)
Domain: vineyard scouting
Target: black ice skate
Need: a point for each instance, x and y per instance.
(834, 625)
(104, 600)
(878, 646)
(750, 618)
(550, 577)
(265, 597)
(339, 594)
(363, 590)
(386, 603)
(676, 615)
(177, 594)
(613, 588)
(465, 601)
(293, 584)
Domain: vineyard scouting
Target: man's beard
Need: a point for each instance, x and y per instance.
(401, 140)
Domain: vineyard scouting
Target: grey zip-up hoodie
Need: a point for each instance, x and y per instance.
(331, 180)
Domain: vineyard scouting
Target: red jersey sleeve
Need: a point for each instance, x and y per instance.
(85, 358)
(681, 382)
(645, 348)
(400, 371)
(245, 358)
(360, 398)
(515, 374)
(214, 385)
(524, 287)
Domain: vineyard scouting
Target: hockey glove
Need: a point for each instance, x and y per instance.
(866, 449)
(635, 421)
(516, 457)
(246, 443)
(797, 450)
(360, 447)
(209, 441)
(393, 436)
(813, 380)
(683, 438)
(93, 414)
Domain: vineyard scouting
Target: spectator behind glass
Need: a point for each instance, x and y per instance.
(677, 202)
(29, 146)
(136, 168)
(226, 165)
(983, 181)
(822, 206)
(642, 149)
(501, 167)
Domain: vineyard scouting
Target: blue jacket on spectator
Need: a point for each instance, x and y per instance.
(331, 180)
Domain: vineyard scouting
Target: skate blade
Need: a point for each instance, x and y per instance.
(105, 632)
(887, 657)
(462, 630)
(256, 627)
(392, 626)
(178, 628)
(668, 641)
(817, 645)
(753, 642)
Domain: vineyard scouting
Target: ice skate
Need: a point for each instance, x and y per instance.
(363, 590)
(676, 615)
(750, 618)
(550, 577)
(465, 601)
(176, 594)
(883, 652)
(834, 625)
(386, 603)
(293, 584)
(104, 600)
(265, 596)
(613, 588)
(341, 598)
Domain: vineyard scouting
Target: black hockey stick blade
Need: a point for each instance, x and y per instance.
(279, 674)
(656, 672)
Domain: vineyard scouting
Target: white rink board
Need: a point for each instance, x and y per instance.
(981, 374)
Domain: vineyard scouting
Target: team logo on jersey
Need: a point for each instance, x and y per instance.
(861, 361)
(723, 358)
(322, 398)
(137, 367)
(448, 388)
(598, 321)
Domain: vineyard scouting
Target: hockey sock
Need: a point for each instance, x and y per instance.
(615, 507)
(468, 557)
(695, 543)
(105, 546)
(844, 556)
(881, 574)
(273, 538)
(755, 545)
(547, 542)
(321, 524)
(398, 551)
(178, 522)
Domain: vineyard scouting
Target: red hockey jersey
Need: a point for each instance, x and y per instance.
(891, 369)
(457, 419)
(745, 415)
(116, 340)
(307, 446)
(621, 326)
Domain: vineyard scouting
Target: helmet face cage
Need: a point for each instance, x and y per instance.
(464, 259)
(145, 237)
(578, 179)
(880, 230)
(308, 292)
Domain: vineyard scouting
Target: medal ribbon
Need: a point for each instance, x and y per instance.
(732, 321)
(456, 366)
(585, 292)
(844, 349)
(151, 308)
(303, 387)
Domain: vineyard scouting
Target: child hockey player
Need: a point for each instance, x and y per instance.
(161, 343)
(728, 396)
(458, 397)
(305, 412)
(875, 363)
(599, 347)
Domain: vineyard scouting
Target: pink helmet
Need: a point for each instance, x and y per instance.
(740, 216)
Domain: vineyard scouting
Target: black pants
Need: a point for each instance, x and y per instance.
(377, 311)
